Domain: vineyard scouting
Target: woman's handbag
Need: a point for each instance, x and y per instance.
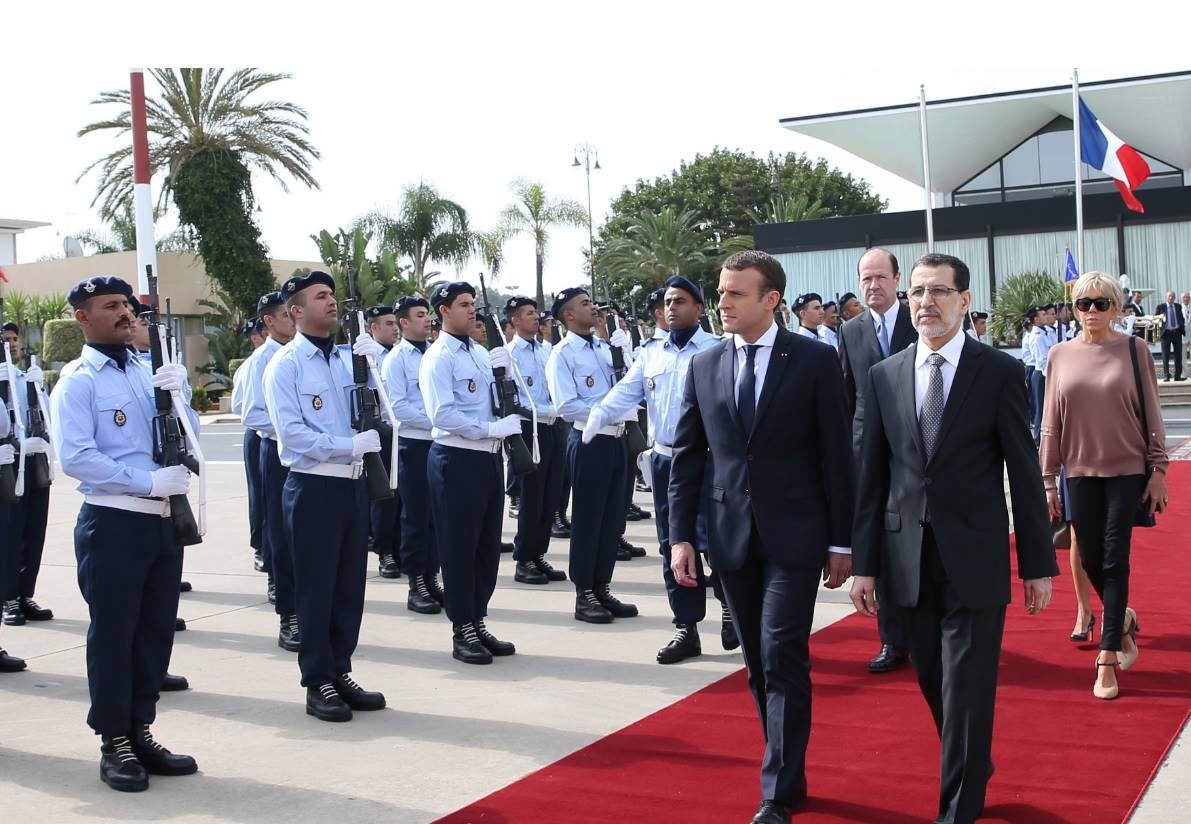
(1142, 515)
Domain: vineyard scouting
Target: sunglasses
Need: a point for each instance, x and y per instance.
(1085, 304)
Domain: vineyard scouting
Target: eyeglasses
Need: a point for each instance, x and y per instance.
(1085, 304)
(936, 292)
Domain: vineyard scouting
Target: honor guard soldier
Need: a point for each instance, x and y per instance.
(386, 514)
(252, 466)
(8, 663)
(540, 489)
(24, 538)
(579, 374)
(418, 548)
(658, 377)
(465, 470)
(129, 562)
(277, 554)
(324, 504)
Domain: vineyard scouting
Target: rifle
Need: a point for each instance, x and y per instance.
(11, 479)
(555, 333)
(632, 429)
(634, 331)
(169, 442)
(39, 427)
(365, 412)
(505, 399)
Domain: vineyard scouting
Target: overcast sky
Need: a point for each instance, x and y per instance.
(469, 96)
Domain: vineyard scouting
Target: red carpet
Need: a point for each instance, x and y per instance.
(1062, 755)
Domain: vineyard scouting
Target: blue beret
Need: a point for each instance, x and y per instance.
(409, 302)
(269, 300)
(980, 316)
(447, 292)
(845, 297)
(93, 287)
(803, 300)
(250, 326)
(516, 302)
(654, 299)
(564, 297)
(11, 327)
(374, 312)
(679, 282)
(139, 308)
(299, 282)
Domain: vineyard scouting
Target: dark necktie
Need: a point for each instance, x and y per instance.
(931, 414)
(747, 402)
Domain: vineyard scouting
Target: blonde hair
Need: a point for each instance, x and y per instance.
(1100, 283)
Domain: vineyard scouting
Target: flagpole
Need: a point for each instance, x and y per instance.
(1079, 261)
(930, 220)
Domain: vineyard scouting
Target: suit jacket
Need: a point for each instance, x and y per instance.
(787, 479)
(1178, 313)
(859, 349)
(984, 431)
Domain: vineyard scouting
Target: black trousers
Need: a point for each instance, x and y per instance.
(597, 518)
(773, 607)
(1172, 339)
(688, 605)
(563, 430)
(539, 492)
(256, 496)
(1102, 512)
(385, 516)
(25, 540)
(278, 554)
(956, 651)
(419, 550)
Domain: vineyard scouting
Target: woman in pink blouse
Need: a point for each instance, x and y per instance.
(1092, 426)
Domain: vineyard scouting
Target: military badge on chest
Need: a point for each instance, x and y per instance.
(529, 381)
(471, 386)
(651, 384)
(317, 403)
(590, 381)
(120, 418)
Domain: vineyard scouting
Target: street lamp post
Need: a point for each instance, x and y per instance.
(591, 161)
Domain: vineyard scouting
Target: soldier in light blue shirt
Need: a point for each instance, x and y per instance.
(102, 420)
(8, 663)
(308, 386)
(399, 372)
(251, 451)
(386, 513)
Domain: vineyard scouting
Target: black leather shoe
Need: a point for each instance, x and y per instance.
(388, 566)
(420, 599)
(588, 608)
(179, 625)
(271, 590)
(324, 703)
(618, 608)
(174, 683)
(528, 573)
(888, 659)
(514, 507)
(185, 586)
(13, 616)
(631, 514)
(288, 636)
(771, 812)
(550, 572)
(119, 767)
(468, 647)
(559, 528)
(33, 612)
(258, 560)
(685, 644)
(491, 643)
(506, 547)
(623, 554)
(728, 637)
(634, 551)
(435, 589)
(156, 759)
(642, 514)
(356, 696)
(10, 663)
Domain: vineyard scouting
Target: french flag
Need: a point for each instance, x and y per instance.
(1103, 150)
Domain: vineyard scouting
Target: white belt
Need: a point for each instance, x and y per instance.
(544, 420)
(415, 434)
(663, 450)
(131, 503)
(333, 470)
(265, 436)
(487, 445)
(615, 430)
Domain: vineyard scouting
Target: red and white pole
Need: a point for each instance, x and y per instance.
(146, 246)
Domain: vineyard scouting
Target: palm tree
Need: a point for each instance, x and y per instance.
(784, 209)
(536, 214)
(428, 227)
(120, 235)
(490, 247)
(657, 246)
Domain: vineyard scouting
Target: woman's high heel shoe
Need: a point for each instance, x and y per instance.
(1105, 693)
(1129, 657)
(1089, 631)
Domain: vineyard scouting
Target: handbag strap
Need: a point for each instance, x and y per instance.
(1141, 399)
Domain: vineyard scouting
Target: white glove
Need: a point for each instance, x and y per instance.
(34, 446)
(34, 375)
(170, 376)
(595, 422)
(366, 441)
(169, 480)
(621, 338)
(7, 454)
(499, 358)
(366, 347)
(506, 426)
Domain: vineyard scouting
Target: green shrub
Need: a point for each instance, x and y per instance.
(51, 378)
(1015, 296)
(233, 365)
(62, 341)
(199, 400)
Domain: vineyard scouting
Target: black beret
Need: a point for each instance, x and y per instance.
(980, 316)
(901, 296)
(447, 292)
(93, 287)
(829, 304)
(11, 327)
(299, 282)
(250, 326)
(679, 282)
(374, 312)
(564, 297)
(409, 302)
(803, 300)
(516, 302)
(845, 297)
(140, 308)
(543, 318)
(269, 300)
(655, 298)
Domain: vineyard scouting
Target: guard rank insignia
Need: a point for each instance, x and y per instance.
(317, 403)
(120, 418)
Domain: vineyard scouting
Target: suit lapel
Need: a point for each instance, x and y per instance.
(778, 359)
(965, 378)
(728, 377)
(903, 331)
(869, 333)
(905, 389)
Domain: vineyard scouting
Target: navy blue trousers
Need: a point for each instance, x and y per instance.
(326, 520)
(386, 515)
(1037, 401)
(688, 605)
(279, 555)
(256, 497)
(419, 549)
(563, 434)
(467, 502)
(539, 494)
(25, 541)
(598, 477)
(129, 569)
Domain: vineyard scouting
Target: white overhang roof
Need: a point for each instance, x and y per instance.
(17, 226)
(1152, 114)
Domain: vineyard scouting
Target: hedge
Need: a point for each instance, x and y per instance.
(62, 341)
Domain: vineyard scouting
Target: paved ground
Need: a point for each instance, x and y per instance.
(452, 732)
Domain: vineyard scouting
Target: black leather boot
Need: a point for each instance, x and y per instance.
(156, 759)
(685, 644)
(588, 608)
(420, 598)
(388, 567)
(33, 612)
(356, 696)
(527, 572)
(468, 647)
(728, 636)
(491, 643)
(550, 572)
(610, 602)
(119, 767)
(174, 683)
(324, 703)
(559, 528)
(288, 637)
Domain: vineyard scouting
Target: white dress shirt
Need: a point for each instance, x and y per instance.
(950, 352)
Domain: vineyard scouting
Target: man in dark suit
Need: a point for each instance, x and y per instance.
(780, 515)
(870, 337)
(944, 419)
(1174, 327)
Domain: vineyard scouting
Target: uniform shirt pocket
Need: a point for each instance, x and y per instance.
(314, 399)
(117, 417)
